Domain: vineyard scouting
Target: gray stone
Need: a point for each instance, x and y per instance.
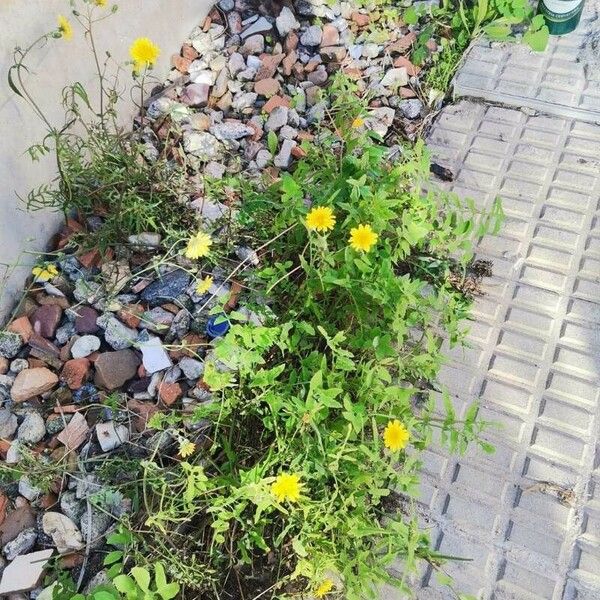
(262, 25)
(155, 358)
(248, 255)
(87, 292)
(27, 490)
(157, 319)
(283, 158)
(395, 77)
(145, 240)
(8, 424)
(381, 119)
(71, 506)
(204, 77)
(263, 158)
(167, 288)
(111, 435)
(210, 210)
(231, 130)
(64, 533)
(10, 344)
(214, 169)
(411, 109)
(85, 345)
(244, 100)
(203, 145)
(192, 368)
(371, 51)
(311, 36)
(286, 22)
(172, 375)
(65, 333)
(22, 544)
(236, 64)
(117, 335)
(17, 365)
(288, 133)
(277, 119)
(226, 5)
(32, 429)
(94, 525)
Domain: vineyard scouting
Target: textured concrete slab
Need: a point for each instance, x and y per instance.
(564, 80)
(528, 516)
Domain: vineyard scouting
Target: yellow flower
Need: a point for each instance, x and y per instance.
(186, 448)
(45, 273)
(320, 218)
(363, 238)
(100, 2)
(144, 53)
(204, 285)
(65, 28)
(395, 436)
(324, 588)
(198, 246)
(357, 123)
(286, 487)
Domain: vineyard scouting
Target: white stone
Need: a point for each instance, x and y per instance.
(395, 77)
(154, 357)
(84, 346)
(64, 533)
(286, 21)
(111, 436)
(25, 572)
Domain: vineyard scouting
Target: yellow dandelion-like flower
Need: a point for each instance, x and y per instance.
(358, 123)
(395, 436)
(324, 588)
(100, 2)
(362, 238)
(186, 448)
(65, 28)
(144, 53)
(204, 285)
(45, 273)
(320, 218)
(198, 246)
(286, 487)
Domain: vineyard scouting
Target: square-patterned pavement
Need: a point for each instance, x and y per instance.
(529, 515)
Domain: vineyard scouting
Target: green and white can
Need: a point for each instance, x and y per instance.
(562, 16)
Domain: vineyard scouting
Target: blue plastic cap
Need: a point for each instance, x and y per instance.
(217, 326)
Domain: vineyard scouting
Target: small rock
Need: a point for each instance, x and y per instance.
(210, 210)
(158, 319)
(31, 383)
(88, 292)
(331, 36)
(65, 333)
(267, 87)
(203, 145)
(84, 346)
(22, 544)
(25, 572)
(283, 158)
(371, 50)
(226, 5)
(192, 368)
(32, 429)
(145, 240)
(167, 288)
(202, 76)
(360, 19)
(236, 64)
(71, 506)
(244, 100)
(45, 320)
(75, 433)
(111, 436)
(94, 527)
(64, 533)
(8, 424)
(255, 44)
(75, 372)
(196, 94)
(318, 77)
(333, 53)
(3, 365)
(117, 335)
(286, 22)
(10, 344)
(411, 109)
(231, 130)
(262, 25)
(16, 521)
(395, 78)
(27, 490)
(86, 394)
(169, 393)
(312, 36)
(113, 369)
(277, 119)
(263, 158)
(381, 119)
(215, 170)
(155, 358)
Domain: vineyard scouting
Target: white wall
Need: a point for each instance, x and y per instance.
(166, 22)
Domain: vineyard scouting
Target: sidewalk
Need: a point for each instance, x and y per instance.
(528, 516)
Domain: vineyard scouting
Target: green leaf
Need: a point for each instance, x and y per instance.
(410, 16)
(272, 142)
(125, 585)
(537, 40)
(113, 557)
(102, 595)
(159, 576)
(169, 591)
(142, 578)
